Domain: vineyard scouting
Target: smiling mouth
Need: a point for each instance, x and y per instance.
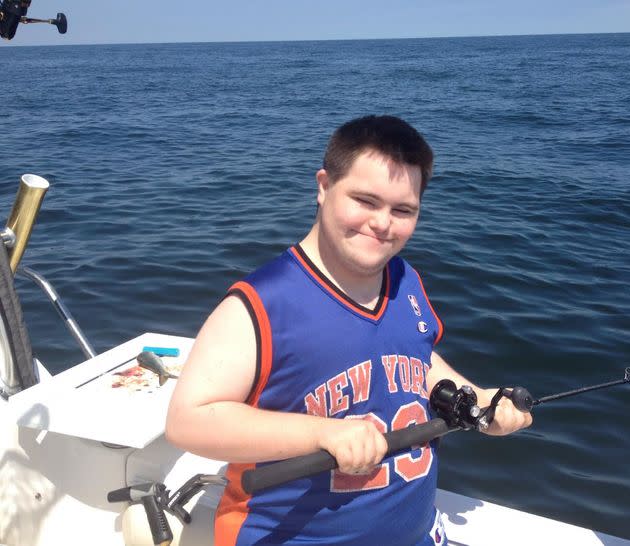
(375, 237)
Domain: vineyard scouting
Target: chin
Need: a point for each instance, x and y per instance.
(368, 268)
(374, 259)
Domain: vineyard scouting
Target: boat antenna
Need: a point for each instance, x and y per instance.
(13, 12)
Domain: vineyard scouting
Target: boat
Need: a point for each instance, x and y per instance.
(84, 459)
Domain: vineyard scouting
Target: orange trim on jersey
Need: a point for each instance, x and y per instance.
(265, 337)
(326, 284)
(439, 322)
(232, 510)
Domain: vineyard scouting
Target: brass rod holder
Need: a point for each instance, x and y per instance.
(23, 214)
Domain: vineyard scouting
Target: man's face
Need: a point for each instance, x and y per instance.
(367, 216)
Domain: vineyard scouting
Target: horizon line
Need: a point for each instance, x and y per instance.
(324, 39)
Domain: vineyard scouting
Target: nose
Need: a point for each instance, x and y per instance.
(380, 220)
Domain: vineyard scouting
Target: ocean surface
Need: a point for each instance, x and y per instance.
(176, 169)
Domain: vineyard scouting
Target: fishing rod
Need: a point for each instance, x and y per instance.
(544, 399)
(13, 12)
(456, 409)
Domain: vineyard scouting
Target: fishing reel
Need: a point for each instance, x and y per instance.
(13, 12)
(458, 407)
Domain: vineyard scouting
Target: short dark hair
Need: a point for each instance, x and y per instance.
(387, 135)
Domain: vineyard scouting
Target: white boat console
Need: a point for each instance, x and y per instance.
(107, 398)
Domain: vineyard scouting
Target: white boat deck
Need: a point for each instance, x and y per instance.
(81, 403)
(473, 522)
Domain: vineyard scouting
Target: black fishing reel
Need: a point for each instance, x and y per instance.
(13, 12)
(458, 407)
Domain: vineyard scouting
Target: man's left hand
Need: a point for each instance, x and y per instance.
(507, 418)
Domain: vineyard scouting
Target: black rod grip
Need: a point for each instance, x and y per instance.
(416, 435)
(287, 470)
(132, 493)
(320, 461)
(160, 528)
(120, 495)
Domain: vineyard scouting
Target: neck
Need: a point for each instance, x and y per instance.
(365, 289)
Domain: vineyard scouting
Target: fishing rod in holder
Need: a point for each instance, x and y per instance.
(13, 12)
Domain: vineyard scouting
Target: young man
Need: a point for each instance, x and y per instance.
(328, 347)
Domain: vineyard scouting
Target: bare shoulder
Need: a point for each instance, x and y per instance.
(222, 361)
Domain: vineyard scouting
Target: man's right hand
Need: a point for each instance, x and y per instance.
(356, 444)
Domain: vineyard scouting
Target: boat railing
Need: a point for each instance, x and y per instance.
(60, 307)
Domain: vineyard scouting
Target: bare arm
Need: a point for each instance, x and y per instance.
(208, 415)
(507, 418)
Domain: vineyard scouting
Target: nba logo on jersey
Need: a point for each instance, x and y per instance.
(414, 304)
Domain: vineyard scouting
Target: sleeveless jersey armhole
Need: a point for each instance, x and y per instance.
(440, 325)
(262, 330)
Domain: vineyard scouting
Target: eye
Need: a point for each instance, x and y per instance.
(364, 201)
(404, 212)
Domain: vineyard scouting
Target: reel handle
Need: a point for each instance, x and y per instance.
(61, 23)
(520, 397)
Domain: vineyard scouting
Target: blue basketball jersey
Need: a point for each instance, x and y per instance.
(321, 353)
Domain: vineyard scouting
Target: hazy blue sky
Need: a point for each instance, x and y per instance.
(130, 21)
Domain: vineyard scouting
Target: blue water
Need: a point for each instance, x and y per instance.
(176, 169)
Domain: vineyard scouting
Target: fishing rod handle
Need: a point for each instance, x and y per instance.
(133, 493)
(306, 465)
(160, 528)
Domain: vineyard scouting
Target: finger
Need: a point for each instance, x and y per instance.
(364, 454)
(380, 446)
(517, 420)
(344, 459)
(360, 455)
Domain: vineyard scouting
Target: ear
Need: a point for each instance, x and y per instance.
(323, 185)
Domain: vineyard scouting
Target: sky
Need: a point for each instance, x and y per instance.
(144, 21)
